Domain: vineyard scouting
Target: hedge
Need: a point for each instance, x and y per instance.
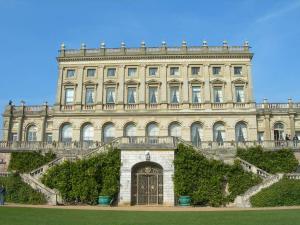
(286, 192)
(83, 181)
(19, 192)
(209, 182)
(24, 162)
(280, 161)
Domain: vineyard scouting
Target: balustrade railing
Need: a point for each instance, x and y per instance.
(88, 107)
(141, 140)
(131, 106)
(109, 106)
(253, 169)
(68, 107)
(293, 176)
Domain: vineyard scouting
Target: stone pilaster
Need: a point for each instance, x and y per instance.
(100, 88)
(59, 87)
(185, 87)
(142, 88)
(163, 88)
(267, 128)
(78, 95)
(250, 85)
(121, 92)
(207, 88)
(292, 124)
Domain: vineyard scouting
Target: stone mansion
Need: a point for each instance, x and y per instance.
(148, 97)
(199, 93)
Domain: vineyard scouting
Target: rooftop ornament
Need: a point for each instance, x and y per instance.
(102, 45)
(225, 44)
(22, 102)
(246, 43)
(204, 43)
(123, 44)
(163, 44)
(62, 46)
(83, 46)
(183, 44)
(143, 45)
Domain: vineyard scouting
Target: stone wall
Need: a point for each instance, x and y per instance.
(4, 161)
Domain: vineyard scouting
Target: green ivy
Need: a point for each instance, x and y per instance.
(286, 192)
(84, 180)
(24, 162)
(280, 161)
(19, 192)
(209, 182)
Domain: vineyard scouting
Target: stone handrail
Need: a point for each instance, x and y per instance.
(293, 176)
(253, 169)
(5, 174)
(53, 197)
(102, 148)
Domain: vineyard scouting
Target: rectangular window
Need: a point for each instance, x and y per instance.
(153, 71)
(14, 137)
(218, 95)
(70, 73)
(110, 95)
(132, 72)
(260, 136)
(91, 72)
(237, 70)
(69, 95)
(174, 95)
(196, 94)
(90, 96)
(131, 95)
(111, 72)
(48, 137)
(153, 95)
(195, 70)
(174, 71)
(239, 94)
(216, 70)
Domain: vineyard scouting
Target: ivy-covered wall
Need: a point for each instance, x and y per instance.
(280, 161)
(209, 182)
(83, 181)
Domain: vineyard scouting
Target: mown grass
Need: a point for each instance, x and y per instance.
(36, 216)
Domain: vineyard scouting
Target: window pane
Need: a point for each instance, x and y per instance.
(196, 94)
(70, 73)
(218, 95)
(131, 95)
(238, 70)
(216, 70)
(111, 72)
(174, 71)
(48, 137)
(91, 72)
(175, 130)
(239, 94)
(131, 72)
(69, 96)
(90, 96)
(195, 70)
(174, 95)
(153, 71)
(66, 133)
(153, 94)
(110, 95)
(88, 133)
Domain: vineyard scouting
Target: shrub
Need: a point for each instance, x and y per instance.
(84, 180)
(25, 162)
(286, 192)
(19, 192)
(280, 161)
(206, 180)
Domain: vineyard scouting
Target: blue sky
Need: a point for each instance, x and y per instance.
(32, 31)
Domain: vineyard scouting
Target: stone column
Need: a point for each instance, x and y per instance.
(185, 87)
(250, 86)
(142, 89)
(78, 96)
(44, 123)
(100, 88)
(120, 90)
(163, 87)
(207, 86)
(59, 88)
(267, 128)
(292, 125)
(228, 86)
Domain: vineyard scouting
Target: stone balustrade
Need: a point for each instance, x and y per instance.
(293, 176)
(253, 169)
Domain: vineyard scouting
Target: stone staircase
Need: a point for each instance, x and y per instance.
(53, 196)
(243, 201)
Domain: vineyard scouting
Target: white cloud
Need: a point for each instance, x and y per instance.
(279, 12)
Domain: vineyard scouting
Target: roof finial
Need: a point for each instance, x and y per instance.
(163, 44)
(62, 46)
(204, 43)
(143, 45)
(225, 44)
(102, 45)
(183, 44)
(246, 43)
(123, 44)
(83, 46)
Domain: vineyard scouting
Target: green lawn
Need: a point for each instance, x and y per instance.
(35, 216)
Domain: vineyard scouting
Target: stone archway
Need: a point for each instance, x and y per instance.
(147, 184)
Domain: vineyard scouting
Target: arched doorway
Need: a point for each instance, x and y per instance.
(147, 184)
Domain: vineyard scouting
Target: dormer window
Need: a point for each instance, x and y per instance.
(216, 70)
(70, 73)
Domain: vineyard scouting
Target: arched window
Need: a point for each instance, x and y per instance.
(240, 132)
(108, 132)
(32, 133)
(219, 132)
(278, 131)
(87, 133)
(130, 130)
(175, 130)
(152, 130)
(66, 133)
(196, 133)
